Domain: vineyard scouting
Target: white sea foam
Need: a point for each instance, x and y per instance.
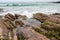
(30, 10)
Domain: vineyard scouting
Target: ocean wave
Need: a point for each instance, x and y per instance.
(15, 4)
(30, 8)
(26, 4)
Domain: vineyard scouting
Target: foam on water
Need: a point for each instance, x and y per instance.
(31, 8)
(27, 13)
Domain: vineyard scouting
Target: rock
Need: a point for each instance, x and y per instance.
(50, 25)
(1, 25)
(40, 16)
(51, 34)
(53, 38)
(48, 21)
(16, 15)
(10, 17)
(19, 23)
(23, 17)
(33, 22)
(56, 15)
(26, 32)
(44, 17)
(30, 34)
(9, 24)
(54, 19)
(3, 30)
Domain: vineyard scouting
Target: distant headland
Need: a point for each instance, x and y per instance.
(56, 2)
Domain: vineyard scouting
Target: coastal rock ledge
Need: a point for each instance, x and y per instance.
(50, 25)
(16, 27)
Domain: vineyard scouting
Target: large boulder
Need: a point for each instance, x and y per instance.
(40, 16)
(43, 17)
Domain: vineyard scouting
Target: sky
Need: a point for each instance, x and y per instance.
(27, 0)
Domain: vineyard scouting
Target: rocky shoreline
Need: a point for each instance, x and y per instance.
(39, 27)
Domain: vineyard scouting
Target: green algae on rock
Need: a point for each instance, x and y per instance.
(50, 24)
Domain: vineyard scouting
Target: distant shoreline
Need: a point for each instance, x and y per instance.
(56, 2)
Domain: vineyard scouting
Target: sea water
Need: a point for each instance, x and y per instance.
(29, 8)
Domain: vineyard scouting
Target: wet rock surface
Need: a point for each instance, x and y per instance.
(18, 27)
(40, 27)
(41, 17)
(30, 34)
(49, 23)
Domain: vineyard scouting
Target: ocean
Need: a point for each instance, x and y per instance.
(29, 8)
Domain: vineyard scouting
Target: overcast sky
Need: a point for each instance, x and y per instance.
(27, 0)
